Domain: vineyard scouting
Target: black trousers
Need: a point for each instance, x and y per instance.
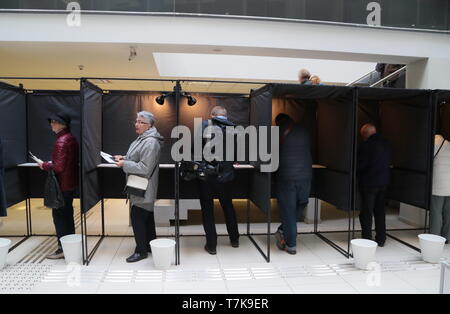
(63, 217)
(208, 189)
(144, 229)
(373, 202)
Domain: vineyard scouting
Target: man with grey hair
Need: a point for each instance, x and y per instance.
(304, 77)
(219, 184)
(373, 172)
(142, 159)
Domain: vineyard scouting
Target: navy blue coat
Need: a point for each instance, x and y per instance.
(374, 160)
(2, 190)
(295, 154)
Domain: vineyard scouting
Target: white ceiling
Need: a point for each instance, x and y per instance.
(57, 60)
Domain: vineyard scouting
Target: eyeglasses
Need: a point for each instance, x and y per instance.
(140, 122)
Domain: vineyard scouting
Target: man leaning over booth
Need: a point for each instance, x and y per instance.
(373, 172)
(293, 180)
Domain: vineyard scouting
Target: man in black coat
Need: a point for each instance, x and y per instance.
(373, 172)
(2, 190)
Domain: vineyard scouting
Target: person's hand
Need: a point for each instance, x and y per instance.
(120, 163)
(41, 165)
(118, 157)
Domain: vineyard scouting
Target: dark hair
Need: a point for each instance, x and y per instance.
(282, 119)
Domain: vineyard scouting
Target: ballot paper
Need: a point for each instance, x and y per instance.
(109, 158)
(35, 158)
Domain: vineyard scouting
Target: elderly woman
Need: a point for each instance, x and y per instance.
(142, 159)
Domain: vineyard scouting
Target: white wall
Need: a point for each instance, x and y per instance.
(233, 36)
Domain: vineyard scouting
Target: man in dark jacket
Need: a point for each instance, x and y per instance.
(65, 165)
(2, 190)
(373, 172)
(220, 185)
(293, 179)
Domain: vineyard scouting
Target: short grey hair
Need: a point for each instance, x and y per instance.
(148, 116)
(219, 111)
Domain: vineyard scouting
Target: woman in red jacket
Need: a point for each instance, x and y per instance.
(65, 165)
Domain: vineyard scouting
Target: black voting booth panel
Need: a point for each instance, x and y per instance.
(91, 145)
(443, 113)
(13, 135)
(405, 119)
(327, 112)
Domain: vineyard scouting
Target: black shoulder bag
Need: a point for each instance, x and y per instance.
(53, 197)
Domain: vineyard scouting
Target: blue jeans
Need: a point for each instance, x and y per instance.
(293, 197)
(440, 216)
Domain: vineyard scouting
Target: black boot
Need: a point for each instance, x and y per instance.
(136, 257)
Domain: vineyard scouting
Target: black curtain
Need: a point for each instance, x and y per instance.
(328, 113)
(443, 113)
(13, 139)
(405, 120)
(91, 144)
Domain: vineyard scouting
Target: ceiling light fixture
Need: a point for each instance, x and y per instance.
(191, 100)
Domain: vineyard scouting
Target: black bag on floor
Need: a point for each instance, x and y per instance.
(53, 197)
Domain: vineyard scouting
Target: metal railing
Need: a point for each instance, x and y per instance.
(367, 77)
(388, 77)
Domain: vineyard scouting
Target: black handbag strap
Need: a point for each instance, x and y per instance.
(440, 147)
(154, 168)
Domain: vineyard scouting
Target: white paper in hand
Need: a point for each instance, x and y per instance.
(35, 158)
(108, 157)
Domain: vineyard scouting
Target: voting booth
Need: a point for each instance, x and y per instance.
(405, 118)
(328, 113)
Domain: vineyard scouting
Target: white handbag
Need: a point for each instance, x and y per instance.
(137, 185)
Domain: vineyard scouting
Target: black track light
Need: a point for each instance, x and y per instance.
(191, 100)
(160, 99)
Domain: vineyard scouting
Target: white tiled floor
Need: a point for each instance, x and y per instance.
(317, 268)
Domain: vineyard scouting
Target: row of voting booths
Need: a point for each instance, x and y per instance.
(102, 120)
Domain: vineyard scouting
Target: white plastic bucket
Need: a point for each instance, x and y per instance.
(163, 252)
(4, 248)
(432, 247)
(363, 252)
(71, 245)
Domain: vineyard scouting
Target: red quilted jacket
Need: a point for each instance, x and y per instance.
(65, 161)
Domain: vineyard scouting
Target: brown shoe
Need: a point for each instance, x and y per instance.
(59, 254)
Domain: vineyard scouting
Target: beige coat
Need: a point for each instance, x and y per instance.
(441, 172)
